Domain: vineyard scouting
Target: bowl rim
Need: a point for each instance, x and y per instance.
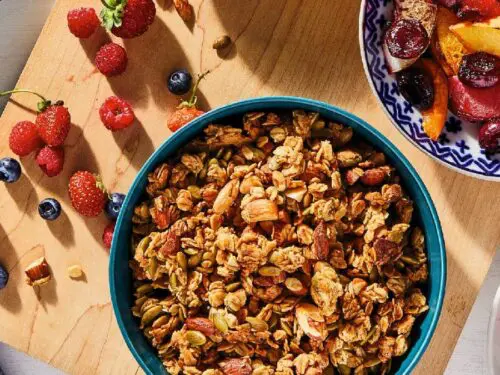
(220, 113)
(369, 78)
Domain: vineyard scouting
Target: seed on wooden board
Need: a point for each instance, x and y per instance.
(221, 42)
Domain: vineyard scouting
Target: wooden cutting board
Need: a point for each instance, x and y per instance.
(304, 48)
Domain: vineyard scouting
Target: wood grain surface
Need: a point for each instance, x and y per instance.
(283, 47)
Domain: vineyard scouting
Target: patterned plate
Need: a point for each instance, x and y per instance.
(457, 148)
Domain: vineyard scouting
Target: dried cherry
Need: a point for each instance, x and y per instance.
(489, 135)
(480, 70)
(407, 39)
(416, 86)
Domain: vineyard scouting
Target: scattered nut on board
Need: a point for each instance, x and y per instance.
(38, 272)
(75, 271)
(184, 9)
(221, 42)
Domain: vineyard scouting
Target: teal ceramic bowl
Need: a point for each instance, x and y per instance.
(120, 277)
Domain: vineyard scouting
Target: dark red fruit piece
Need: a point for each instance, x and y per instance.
(83, 22)
(480, 70)
(53, 124)
(24, 138)
(489, 135)
(116, 113)
(51, 160)
(111, 59)
(128, 18)
(407, 38)
(416, 86)
(107, 236)
(87, 193)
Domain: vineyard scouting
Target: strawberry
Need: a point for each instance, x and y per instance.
(50, 160)
(53, 124)
(186, 111)
(53, 120)
(107, 236)
(87, 193)
(24, 138)
(128, 18)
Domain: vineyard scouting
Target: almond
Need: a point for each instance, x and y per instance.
(373, 177)
(320, 244)
(38, 272)
(226, 197)
(203, 325)
(236, 366)
(172, 244)
(260, 210)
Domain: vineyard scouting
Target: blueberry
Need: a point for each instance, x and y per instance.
(4, 277)
(10, 170)
(114, 205)
(179, 82)
(49, 209)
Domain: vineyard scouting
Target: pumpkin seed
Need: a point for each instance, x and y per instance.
(144, 289)
(160, 321)
(150, 314)
(269, 271)
(181, 259)
(196, 338)
(194, 260)
(220, 323)
(195, 191)
(344, 370)
(191, 251)
(232, 287)
(258, 324)
(152, 267)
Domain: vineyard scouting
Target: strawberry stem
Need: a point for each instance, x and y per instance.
(41, 106)
(3, 93)
(192, 99)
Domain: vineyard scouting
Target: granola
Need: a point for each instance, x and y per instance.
(284, 246)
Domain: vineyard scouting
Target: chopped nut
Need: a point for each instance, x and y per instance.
(184, 9)
(75, 271)
(260, 210)
(38, 272)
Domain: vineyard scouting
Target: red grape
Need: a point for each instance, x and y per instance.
(407, 39)
(480, 70)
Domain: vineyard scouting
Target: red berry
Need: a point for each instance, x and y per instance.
(116, 113)
(136, 18)
(83, 22)
(107, 236)
(182, 116)
(87, 193)
(111, 59)
(50, 160)
(53, 124)
(24, 138)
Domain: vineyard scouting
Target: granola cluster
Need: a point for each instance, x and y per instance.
(284, 246)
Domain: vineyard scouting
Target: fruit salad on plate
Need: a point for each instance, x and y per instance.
(445, 54)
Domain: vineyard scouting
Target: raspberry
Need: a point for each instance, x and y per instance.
(50, 160)
(107, 236)
(53, 124)
(116, 113)
(87, 194)
(24, 138)
(83, 22)
(111, 59)
(133, 21)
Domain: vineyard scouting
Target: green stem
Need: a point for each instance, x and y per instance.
(106, 5)
(192, 98)
(3, 93)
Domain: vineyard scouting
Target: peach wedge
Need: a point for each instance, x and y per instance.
(435, 117)
(483, 37)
